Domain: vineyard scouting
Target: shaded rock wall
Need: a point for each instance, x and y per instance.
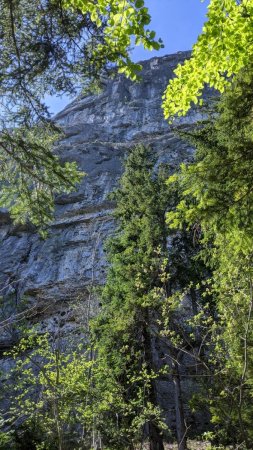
(99, 130)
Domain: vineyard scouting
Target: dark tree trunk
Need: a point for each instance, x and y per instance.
(155, 438)
(155, 435)
(180, 421)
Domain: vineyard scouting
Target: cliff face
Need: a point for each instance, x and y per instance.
(99, 129)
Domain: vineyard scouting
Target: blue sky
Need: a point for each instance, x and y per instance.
(177, 22)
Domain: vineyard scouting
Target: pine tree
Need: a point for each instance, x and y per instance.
(150, 275)
(131, 301)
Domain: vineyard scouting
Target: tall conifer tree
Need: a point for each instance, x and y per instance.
(132, 297)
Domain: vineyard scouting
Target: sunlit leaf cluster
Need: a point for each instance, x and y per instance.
(124, 25)
(223, 48)
(216, 196)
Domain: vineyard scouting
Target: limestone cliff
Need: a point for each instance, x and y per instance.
(99, 129)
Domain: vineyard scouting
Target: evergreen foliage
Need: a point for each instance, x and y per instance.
(216, 195)
(143, 310)
(130, 303)
(32, 175)
(42, 47)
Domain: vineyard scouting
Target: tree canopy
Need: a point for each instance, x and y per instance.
(223, 48)
(124, 24)
(216, 196)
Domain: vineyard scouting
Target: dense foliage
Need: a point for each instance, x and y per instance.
(224, 47)
(216, 194)
(131, 300)
(143, 311)
(109, 392)
(52, 395)
(187, 289)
